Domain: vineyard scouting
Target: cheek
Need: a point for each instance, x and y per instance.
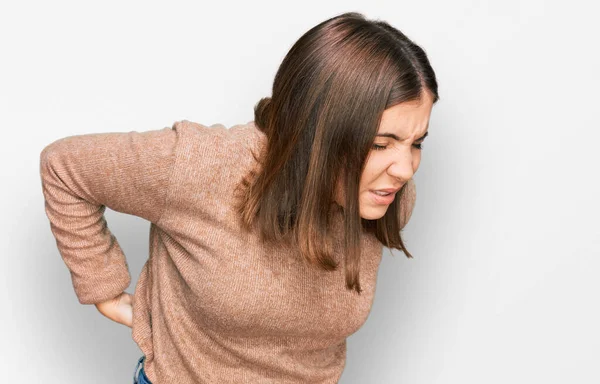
(373, 169)
(416, 161)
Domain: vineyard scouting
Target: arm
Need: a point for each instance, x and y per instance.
(82, 175)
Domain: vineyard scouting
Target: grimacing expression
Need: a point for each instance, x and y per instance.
(394, 157)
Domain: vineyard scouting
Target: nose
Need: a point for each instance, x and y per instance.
(401, 167)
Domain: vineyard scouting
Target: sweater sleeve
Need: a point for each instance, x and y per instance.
(407, 203)
(81, 175)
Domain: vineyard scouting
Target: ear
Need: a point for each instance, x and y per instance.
(407, 203)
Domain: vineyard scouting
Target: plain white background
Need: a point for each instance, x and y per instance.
(505, 233)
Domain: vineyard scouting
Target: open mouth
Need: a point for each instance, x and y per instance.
(383, 197)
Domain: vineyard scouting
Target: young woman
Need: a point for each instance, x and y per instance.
(265, 237)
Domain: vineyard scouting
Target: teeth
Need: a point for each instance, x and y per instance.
(381, 193)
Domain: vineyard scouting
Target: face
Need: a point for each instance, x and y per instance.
(394, 157)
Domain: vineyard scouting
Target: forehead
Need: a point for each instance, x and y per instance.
(410, 116)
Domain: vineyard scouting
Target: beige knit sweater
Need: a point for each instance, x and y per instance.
(211, 305)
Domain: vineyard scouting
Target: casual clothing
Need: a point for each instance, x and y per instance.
(212, 304)
(139, 377)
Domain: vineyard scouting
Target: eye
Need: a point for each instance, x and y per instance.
(382, 147)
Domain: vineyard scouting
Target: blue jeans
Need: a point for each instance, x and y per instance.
(141, 378)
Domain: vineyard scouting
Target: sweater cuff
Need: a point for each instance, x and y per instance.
(96, 284)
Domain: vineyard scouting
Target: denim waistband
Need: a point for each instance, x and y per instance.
(140, 365)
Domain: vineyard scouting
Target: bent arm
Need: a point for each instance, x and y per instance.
(82, 175)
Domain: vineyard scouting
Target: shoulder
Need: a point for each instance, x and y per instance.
(215, 153)
(217, 138)
(211, 161)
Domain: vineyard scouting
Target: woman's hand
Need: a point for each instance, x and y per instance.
(119, 309)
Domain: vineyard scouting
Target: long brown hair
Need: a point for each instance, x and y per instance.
(320, 123)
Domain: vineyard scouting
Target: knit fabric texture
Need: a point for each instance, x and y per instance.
(212, 304)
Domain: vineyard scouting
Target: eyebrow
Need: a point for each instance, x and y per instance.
(393, 136)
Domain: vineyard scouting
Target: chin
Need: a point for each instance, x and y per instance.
(373, 214)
